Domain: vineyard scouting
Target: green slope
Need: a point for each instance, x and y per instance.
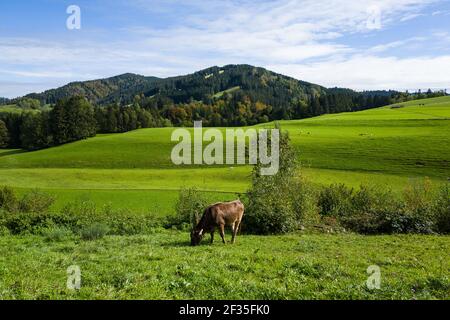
(387, 146)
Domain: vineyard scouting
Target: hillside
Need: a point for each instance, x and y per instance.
(201, 85)
(257, 84)
(377, 129)
(98, 90)
(229, 96)
(386, 146)
(4, 101)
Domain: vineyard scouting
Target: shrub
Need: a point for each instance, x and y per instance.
(189, 208)
(4, 231)
(282, 202)
(74, 216)
(26, 222)
(94, 231)
(35, 201)
(374, 211)
(335, 200)
(81, 213)
(8, 199)
(304, 202)
(441, 209)
(370, 211)
(57, 234)
(416, 213)
(269, 210)
(126, 222)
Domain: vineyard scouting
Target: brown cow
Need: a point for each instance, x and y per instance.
(219, 215)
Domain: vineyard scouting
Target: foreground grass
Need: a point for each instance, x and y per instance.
(164, 266)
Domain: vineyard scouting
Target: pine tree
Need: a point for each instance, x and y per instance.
(4, 136)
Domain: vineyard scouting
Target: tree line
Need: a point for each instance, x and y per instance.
(75, 118)
(68, 120)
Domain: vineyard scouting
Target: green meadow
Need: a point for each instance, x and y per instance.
(385, 146)
(162, 265)
(388, 147)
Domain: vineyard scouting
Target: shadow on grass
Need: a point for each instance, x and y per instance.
(11, 152)
(180, 244)
(176, 244)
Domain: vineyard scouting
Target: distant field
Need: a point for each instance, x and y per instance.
(220, 94)
(385, 146)
(10, 108)
(163, 266)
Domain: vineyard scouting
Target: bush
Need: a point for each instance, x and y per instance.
(74, 216)
(189, 209)
(370, 211)
(35, 201)
(416, 214)
(4, 231)
(83, 213)
(126, 222)
(441, 209)
(282, 202)
(335, 200)
(25, 222)
(8, 199)
(94, 231)
(373, 211)
(304, 202)
(269, 210)
(57, 234)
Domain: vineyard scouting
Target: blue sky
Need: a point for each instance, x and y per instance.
(385, 44)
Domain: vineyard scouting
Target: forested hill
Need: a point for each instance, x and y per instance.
(4, 100)
(97, 91)
(204, 85)
(229, 95)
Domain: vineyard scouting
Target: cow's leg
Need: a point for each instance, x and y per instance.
(212, 237)
(235, 230)
(222, 232)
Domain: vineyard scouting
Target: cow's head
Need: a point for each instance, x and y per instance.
(196, 237)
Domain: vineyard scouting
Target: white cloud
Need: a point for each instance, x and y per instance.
(411, 16)
(396, 44)
(362, 72)
(289, 35)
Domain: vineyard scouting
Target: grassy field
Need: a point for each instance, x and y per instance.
(385, 146)
(10, 108)
(231, 90)
(163, 266)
